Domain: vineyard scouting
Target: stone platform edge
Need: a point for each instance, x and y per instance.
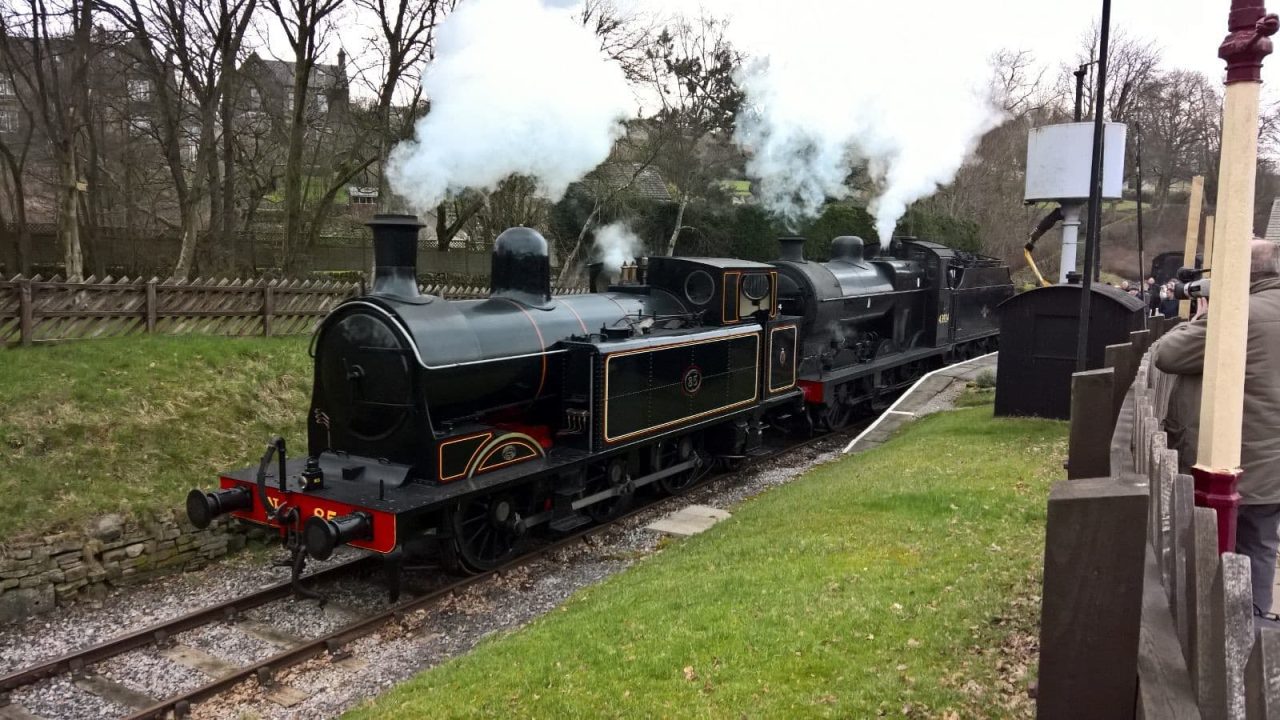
(919, 400)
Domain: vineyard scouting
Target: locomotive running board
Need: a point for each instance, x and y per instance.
(615, 491)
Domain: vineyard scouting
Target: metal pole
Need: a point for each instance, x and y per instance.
(1095, 219)
(1142, 272)
(1217, 467)
(1070, 239)
(1095, 192)
(1079, 73)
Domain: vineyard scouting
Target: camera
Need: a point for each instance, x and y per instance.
(1191, 284)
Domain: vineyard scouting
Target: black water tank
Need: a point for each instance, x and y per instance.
(1038, 331)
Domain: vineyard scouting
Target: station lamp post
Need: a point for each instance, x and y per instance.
(1218, 460)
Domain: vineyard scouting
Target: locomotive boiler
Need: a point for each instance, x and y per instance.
(460, 427)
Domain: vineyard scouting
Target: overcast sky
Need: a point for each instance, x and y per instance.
(1188, 32)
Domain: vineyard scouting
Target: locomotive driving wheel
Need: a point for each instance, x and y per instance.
(836, 417)
(487, 532)
(680, 451)
(613, 475)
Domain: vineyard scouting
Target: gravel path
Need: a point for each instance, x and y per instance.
(420, 640)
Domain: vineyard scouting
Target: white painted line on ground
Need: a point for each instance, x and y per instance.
(905, 395)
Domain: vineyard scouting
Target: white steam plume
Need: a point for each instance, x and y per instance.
(516, 87)
(616, 244)
(899, 87)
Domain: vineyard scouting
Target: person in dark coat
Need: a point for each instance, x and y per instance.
(1151, 293)
(1168, 301)
(1181, 352)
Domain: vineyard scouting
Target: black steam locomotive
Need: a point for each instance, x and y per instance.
(462, 426)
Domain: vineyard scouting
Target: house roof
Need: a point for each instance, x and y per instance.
(323, 77)
(648, 183)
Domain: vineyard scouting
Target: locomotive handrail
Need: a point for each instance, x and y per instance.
(842, 298)
(447, 366)
(274, 447)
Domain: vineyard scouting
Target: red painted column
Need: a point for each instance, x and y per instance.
(1217, 490)
(1217, 471)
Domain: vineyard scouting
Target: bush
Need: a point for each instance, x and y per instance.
(837, 219)
(935, 227)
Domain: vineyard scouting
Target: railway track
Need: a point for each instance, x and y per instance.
(79, 664)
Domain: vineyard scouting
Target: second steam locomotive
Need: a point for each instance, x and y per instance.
(462, 426)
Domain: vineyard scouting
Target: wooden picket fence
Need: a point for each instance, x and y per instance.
(1141, 616)
(35, 310)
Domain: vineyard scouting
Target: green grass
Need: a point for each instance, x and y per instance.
(129, 425)
(898, 582)
(313, 188)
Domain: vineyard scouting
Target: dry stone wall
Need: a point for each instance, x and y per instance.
(40, 574)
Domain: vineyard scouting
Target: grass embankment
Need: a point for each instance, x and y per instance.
(131, 424)
(897, 582)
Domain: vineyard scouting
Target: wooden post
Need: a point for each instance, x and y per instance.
(152, 310)
(26, 312)
(1217, 468)
(1164, 684)
(268, 309)
(1262, 676)
(1202, 564)
(1092, 422)
(1193, 234)
(1183, 513)
(1095, 542)
(1124, 361)
(1230, 632)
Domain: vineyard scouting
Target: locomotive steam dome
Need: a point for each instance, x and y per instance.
(848, 248)
(521, 267)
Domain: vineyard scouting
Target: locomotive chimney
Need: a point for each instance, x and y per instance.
(597, 278)
(791, 248)
(395, 255)
(521, 267)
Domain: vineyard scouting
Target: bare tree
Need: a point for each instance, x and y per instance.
(513, 202)
(988, 187)
(305, 23)
(453, 214)
(625, 35)
(405, 42)
(693, 66)
(1018, 83)
(184, 47)
(15, 148)
(1132, 63)
(48, 49)
(608, 186)
(1180, 113)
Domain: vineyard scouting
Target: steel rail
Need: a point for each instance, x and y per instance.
(333, 643)
(160, 632)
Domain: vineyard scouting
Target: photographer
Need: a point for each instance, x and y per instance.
(1181, 352)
